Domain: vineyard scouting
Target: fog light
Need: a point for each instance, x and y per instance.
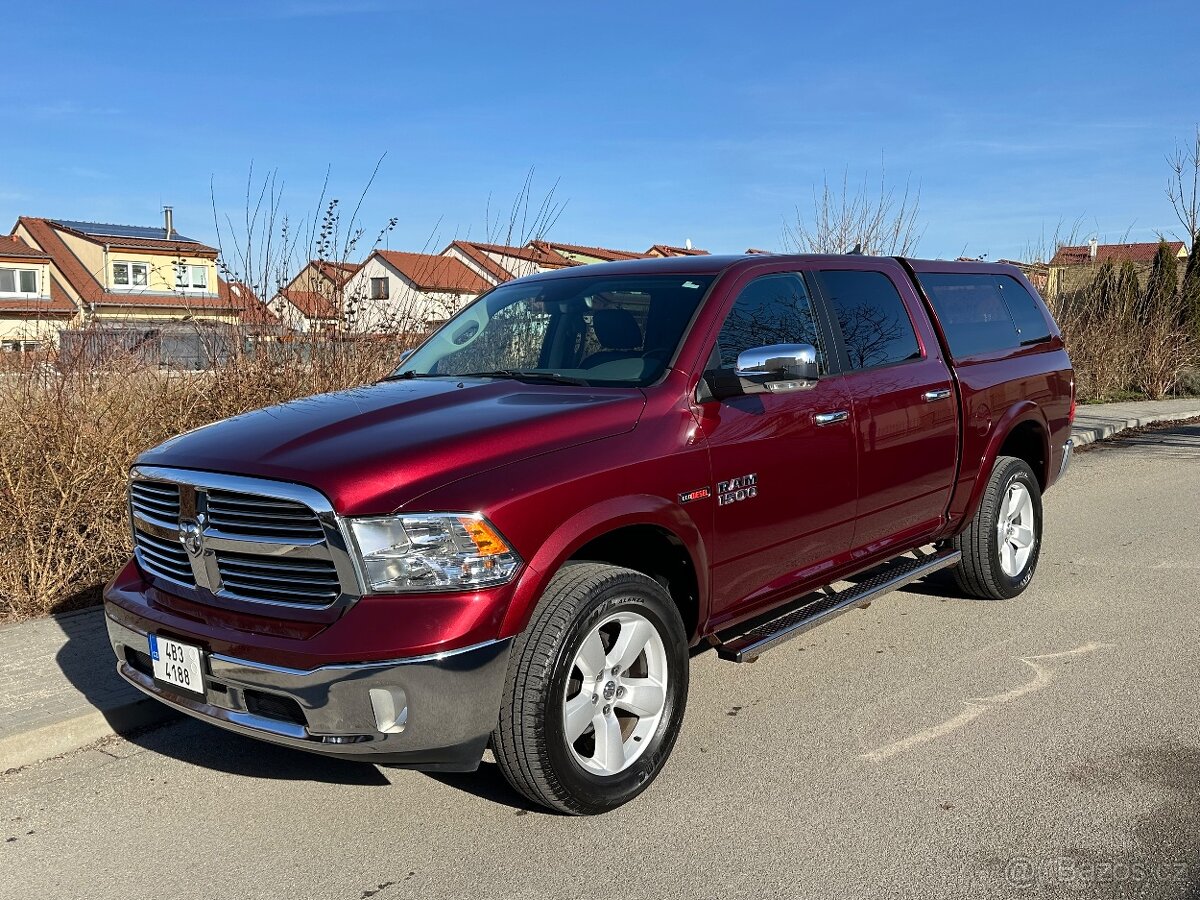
(390, 706)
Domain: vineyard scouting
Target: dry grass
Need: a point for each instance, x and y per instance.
(69, 435)
(1119, 349)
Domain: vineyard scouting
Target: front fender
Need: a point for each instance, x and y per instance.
(591, 523)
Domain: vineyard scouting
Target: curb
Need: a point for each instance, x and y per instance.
(1083, 434)
(64, 736)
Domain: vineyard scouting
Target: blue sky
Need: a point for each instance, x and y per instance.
(660, 122)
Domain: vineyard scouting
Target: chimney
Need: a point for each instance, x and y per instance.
(169, 222)
(1092, 248)
(688, 244)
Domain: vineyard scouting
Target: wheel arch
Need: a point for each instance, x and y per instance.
(1022, 432)
(645, 533)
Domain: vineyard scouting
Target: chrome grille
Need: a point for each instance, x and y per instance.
(166, 559)
(156, 499)
(239, 538)
(274, 578)
(258, 517)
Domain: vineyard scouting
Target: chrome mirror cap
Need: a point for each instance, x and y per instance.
(779, 360)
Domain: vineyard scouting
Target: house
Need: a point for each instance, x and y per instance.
(405, 293)
(578, 253)
(1074, 267)
(667, 250)
(314, 300)
(497, 263)
(33, 305)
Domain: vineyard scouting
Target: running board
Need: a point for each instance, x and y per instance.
(822, 607)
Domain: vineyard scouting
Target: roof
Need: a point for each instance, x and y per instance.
(436, 273)
(1118, 253)
(312, 305)
(668, 250)
(251, 309)
(12, 247)
(533, 253)
(135, 237)
(90, 291)
(603, 253)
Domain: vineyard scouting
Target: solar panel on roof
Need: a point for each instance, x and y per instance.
(103, 229)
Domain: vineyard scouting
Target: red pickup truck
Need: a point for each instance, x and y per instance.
(520, 537)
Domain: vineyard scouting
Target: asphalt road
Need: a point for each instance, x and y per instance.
(925, 747)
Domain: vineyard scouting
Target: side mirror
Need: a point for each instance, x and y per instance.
(403, 356)
(779, 362)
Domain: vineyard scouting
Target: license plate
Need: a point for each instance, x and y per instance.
(176, 663)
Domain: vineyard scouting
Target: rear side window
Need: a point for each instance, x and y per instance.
(983, 313)
(875, 325)
(1026, 312)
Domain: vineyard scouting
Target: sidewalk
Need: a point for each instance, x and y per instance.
(59, 689)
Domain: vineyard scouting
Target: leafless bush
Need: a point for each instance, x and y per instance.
(70, 432)
(879, 220)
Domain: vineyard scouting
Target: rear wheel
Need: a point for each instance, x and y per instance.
(1002, 544)
(597, 686)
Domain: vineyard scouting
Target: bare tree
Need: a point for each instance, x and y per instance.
(878, 219)
(1183, 187)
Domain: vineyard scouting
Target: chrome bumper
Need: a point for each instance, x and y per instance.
(429, 712)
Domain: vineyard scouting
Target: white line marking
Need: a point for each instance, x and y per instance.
(977, 706)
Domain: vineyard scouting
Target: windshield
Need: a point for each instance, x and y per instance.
(607, 330)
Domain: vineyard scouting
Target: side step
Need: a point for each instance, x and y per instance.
(828, 605)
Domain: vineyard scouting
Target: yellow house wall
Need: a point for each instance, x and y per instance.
(157, 313)
(43, 270)
(160, 276)
(18, 328)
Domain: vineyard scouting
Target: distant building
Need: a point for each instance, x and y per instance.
(1074, 267)
(314, 300)
(406, 293)
(33, 305)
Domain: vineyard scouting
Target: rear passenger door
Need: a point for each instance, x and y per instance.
(905, 414)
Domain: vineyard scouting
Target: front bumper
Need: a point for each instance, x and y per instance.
(428, 712)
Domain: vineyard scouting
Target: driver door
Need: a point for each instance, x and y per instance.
(784, 465)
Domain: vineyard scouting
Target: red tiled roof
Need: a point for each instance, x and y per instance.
(435, 273)
(668, 250)
(312, 305)
(12, 247)
(90, 291)
(485, 262)
(251, 309)
(1118, 253)
(534, 254)
(604, 253)
(58, 306)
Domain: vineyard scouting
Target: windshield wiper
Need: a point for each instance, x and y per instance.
(409, 373)
(525, 375)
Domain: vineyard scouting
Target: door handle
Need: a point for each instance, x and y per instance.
(940, 394)
(831, 417)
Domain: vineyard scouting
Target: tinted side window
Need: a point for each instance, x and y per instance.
(972, 312)
(875, 325)
(774, 309)
(1026, 312)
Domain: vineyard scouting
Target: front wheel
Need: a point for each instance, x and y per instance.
(597, 686)
(1001, 545)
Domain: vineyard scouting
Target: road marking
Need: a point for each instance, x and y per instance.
(977, 706)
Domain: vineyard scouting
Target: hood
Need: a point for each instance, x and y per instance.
(372, 449)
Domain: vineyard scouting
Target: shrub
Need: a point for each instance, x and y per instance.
(71, 430)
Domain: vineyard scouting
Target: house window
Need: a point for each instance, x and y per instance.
(18, 281)
(379, 288)
(130, 275)
(189, 277)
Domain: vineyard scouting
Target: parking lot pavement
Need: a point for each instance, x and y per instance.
(927, 746)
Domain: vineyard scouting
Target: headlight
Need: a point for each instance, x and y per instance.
(432, 552)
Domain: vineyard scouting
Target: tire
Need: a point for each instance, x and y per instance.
(606, 608)
(992, 568)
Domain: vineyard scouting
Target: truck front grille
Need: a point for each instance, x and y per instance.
(238, 538)
(251, 516)
(166, 559)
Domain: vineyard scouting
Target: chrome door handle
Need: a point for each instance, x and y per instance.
(941, 394)
(830, 417)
